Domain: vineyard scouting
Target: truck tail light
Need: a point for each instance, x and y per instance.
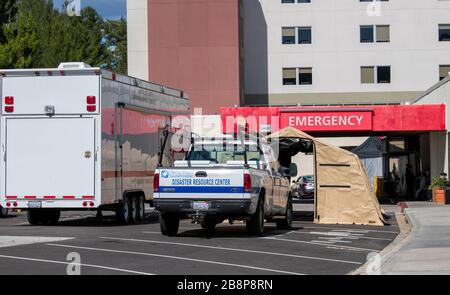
(247, 183)
(9, 109)
(156, 182)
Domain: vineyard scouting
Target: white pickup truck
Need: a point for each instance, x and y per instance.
(217, 181)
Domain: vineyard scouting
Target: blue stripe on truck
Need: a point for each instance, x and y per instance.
(202, 189)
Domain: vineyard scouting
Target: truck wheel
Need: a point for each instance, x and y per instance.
(286, 223)
(255, 226)
(141, 208)
(134, 210)
(169, 224)
(123, 211)
(34, 217)
(3, 212)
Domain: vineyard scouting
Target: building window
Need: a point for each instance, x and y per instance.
(289, 76)
(305, 76)
(304, 35)
(293, 1)
(378, 33)
(366, 33)
(288, 35)
(383, 33)
(384, 74)
(380, 74)
(444, 33)
(367, 75)
(297, 76)
(443, 71)
(293, 35)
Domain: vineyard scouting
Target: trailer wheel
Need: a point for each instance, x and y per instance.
(141, 208)
(169, 224)
(3, 212)
(286, 223)
(52, 217)
(134, 209)
(123, 211)
(34, 217)
(255, 225)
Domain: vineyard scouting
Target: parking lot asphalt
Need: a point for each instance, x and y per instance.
(105, 247)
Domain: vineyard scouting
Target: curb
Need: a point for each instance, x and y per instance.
(405, 226)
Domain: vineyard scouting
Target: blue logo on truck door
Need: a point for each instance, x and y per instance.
(164, 174)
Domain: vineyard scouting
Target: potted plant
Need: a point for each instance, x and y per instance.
(438, 189)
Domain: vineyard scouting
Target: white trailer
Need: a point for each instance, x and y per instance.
(81, 138)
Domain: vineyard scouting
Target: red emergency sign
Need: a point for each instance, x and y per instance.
(328, 121)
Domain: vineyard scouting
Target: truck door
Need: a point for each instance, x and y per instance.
(50, 157)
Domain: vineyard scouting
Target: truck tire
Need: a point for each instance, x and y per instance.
(123, 211)
(34, 217)
(169, 224)
(286, 223)
(255, 225)
(134, 209)
(141, 208)
(3, 212)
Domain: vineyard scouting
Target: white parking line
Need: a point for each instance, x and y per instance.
(233, 249)
(350, 236)
(350, 229)
(319, 244)
(78, 264)
(177, 258)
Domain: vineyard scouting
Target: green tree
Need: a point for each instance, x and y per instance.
(8, 10)
(116, 43)
(20, 42)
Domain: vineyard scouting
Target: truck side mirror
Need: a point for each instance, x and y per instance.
(293, 171)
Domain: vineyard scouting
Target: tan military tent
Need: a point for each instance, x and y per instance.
(343, 191)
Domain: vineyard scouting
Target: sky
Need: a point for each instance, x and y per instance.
(109, 9)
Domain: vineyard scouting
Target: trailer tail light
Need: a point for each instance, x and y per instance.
(91, 100)
(9, 109)
(91, 104)
(9, 100)
(91, 109)
(156, 182)
(247, 183)
(14, 204)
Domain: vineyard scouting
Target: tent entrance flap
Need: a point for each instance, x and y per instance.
(343, 192)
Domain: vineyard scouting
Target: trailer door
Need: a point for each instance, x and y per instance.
(50, 157)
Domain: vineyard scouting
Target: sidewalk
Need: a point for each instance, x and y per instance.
(426, 250)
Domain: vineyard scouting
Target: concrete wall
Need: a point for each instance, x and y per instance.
(336, 53)
(194, 46)
(137, 24)
(439, 145)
